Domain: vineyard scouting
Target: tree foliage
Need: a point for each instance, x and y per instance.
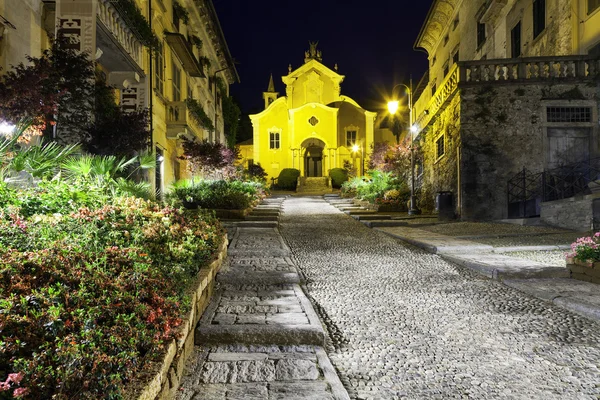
(231, 118)
(115, 131)
(209, 159)
(54, 88)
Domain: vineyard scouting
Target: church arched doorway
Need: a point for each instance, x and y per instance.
(313, 157)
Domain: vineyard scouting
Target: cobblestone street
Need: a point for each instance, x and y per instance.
(404, 323)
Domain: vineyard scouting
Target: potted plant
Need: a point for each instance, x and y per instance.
(583, 262)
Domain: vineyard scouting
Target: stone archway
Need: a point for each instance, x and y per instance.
(313, 157)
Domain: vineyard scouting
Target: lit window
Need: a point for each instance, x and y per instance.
(274, 140)
(439, 144)
(539, 17)
(350, 138)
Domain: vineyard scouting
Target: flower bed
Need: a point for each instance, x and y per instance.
(93, 298)
(583, 262)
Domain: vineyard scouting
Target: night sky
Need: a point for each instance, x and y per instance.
(371, 41)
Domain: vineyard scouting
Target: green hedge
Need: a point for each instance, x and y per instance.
(288, 178)
(338, 177)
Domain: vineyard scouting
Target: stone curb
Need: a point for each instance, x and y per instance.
(576, 305)
(530, 248)
(166, 381)
(493, 272)
(331, 376)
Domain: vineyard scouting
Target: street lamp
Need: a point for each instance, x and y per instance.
(6, 129)
(393, 107)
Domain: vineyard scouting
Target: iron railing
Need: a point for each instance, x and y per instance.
(526, 190)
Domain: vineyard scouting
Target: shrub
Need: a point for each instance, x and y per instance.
(256, 172)
(219, 194)
(90, 298)
(338, 177)
(288, 178)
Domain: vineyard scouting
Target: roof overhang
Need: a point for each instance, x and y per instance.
(184, 52)
(219, 38)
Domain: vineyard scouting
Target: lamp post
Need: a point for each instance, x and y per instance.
(355, 149)
(393, 108)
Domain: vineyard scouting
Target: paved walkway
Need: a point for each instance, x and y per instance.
(405, 323)
(260, 337)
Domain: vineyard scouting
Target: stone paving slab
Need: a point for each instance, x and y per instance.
(260, 372)
(258, 313)
(383, 223)
(434, 243)
(361, 212)
(258, 217)
(370, 216)
(253, 224)
(258, 241)
(578, 296)
(501, 267)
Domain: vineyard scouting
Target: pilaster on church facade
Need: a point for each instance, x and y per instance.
(313, 128)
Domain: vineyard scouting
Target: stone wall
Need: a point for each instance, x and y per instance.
(502, 131)
(577, 213)
(440, 173)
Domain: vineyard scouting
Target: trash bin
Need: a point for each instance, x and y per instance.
(444, 205)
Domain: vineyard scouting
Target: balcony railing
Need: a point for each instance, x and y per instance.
(118, 27)
(180, 122)
(515, 70)
(445, 92)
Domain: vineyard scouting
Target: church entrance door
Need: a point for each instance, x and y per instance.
(313, 161)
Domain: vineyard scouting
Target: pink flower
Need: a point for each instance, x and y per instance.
(4, 386)
(16, 378)
(20, 392)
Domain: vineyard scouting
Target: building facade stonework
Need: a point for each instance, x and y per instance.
(511, 85)
(187, 61)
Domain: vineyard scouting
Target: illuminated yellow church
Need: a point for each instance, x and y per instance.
(314, 128)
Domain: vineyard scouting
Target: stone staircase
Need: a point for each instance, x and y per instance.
(313, 185)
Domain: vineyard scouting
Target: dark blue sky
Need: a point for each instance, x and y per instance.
(372, 43)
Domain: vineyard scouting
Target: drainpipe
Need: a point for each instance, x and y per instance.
(151, 76)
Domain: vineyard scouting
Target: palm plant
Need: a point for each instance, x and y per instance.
(112, 173)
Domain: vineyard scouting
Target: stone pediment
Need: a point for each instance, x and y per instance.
(311, 66)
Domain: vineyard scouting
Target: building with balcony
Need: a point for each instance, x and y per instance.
(170, 56)
(314, 128)
(511, 85)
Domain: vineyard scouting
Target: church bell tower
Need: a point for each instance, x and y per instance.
(270, 95)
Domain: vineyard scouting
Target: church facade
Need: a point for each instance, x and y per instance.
(313, 128)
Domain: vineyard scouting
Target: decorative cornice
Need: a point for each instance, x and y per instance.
(439, 17)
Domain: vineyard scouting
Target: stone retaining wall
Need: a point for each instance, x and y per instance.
(586, 271)
(577, 213)
(164, 384)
